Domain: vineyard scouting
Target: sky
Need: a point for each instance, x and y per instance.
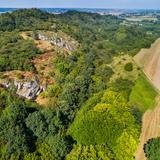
(124, 4)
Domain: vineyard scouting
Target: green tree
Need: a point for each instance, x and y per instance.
(37, 123)
(13, 131)
(128, 67)
(152, 149)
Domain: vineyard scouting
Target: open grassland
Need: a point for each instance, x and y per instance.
(143, 94)
(118, 66)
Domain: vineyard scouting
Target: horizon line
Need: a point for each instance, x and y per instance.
(78, 8)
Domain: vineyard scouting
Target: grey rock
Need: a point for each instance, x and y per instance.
(59, 42)
(28, 89)
(6, 84)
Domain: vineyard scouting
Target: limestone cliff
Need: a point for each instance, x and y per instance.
(59, 41)
(27, 89)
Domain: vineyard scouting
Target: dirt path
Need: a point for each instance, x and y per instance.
(150, 128)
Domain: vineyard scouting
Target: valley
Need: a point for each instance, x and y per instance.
(78, 86)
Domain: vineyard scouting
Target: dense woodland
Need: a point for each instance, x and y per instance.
(90, 116)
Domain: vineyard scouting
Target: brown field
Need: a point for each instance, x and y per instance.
(150, 129)
(149, 61)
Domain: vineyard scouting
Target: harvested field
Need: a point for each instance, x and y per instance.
(150, 129)
(149, 60)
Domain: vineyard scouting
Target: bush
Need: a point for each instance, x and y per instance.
(103, 123)
(19, 75)
(128, 67)
(152, 149)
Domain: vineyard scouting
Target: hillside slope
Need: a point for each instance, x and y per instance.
(149, 60)
(95, 77)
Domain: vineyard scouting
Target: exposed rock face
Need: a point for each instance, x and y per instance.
(59, 42)
(29, 89)
(5, 84)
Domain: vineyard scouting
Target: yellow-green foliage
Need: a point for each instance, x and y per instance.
(127, 145)
(124, 67)
(90, 152)
(43, 152)
(107, 122)
(143, 94)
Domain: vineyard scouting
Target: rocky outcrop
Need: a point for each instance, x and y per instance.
(29, 89)
(59, 42)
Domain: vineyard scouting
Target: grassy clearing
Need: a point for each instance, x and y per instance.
(118, 66)
(143, 94)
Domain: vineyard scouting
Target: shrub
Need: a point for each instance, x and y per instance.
(128, 67)
(19, 75)
(152, 148)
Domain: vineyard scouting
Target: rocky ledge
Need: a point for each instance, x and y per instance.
(59, 42)
(29, 89)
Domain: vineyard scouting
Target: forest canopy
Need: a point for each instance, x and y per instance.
(89, 115)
